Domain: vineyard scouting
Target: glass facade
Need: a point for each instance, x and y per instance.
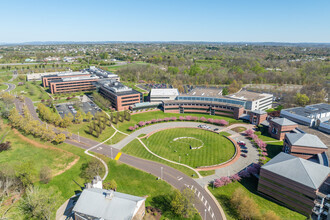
(212, 99)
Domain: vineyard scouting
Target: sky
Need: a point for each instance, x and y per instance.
(165, 20)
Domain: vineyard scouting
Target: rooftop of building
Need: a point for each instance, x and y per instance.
(309, 110)
(199, 102)
(116, 87)
(259, 112)
(305, 140)
(101, 73)
(164, 92)
(248, 95)
(299, 170)
(77, 78)
(206, 92)
(107, 204)
(283, 121)
(69, 73)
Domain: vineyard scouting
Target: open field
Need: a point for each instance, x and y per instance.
(249, 185)
(34, 91)
(38, 155)
(193, 147)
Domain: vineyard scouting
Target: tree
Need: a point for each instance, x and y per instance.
(91, 169)
(246, 207)
(301, 99)
(182, 203)
(59, 138)
(234, 86)
(39, 203)
(25, 172)
(45, 174)
(89, 116)
(225, 91)
(79, 117)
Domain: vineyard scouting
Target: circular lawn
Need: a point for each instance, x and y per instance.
(191, 146)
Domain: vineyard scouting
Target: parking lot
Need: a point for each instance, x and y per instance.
(66, 108)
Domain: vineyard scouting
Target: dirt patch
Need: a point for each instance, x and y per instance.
(239, 129)
(40, 145)
(67, 167)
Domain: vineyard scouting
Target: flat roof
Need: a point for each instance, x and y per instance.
(116, 87)
(259, 112)
(206, 92)
(302, 171)
(59, 74)
(77, 78)
(201, 102)
(164, 92)
(249, 96)
(309, 110)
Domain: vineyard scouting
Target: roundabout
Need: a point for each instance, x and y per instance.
(191, 146)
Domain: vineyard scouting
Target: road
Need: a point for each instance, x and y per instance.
(205, 204)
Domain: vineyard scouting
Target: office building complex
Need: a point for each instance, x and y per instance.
(254, 100)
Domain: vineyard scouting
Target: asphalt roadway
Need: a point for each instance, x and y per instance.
(205, 205)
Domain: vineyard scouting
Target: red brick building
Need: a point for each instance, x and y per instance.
(204, 107)
(278, 127)
(257, 116)
(46, 79)
(120, 96)
(303, 145)
(73, 84)
(296, 183)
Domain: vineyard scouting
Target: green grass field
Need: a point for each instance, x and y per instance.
(38, 155)
(3, 87)
(193, 147)
(37, 94)
(249, 185)
(135, 148)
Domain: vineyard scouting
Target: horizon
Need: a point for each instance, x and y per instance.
(170, 21)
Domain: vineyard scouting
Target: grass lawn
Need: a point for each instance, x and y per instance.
(239, 129)
(224, 133)
(213, 148)
(249, 185)
(135, 148)
(38, 155)
(3, 87)
(82, 128)
(37, 95)
(207, 172)
(274, 148)
(118, 137)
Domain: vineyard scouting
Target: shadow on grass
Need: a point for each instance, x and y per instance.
(273, 149)
(225, 203)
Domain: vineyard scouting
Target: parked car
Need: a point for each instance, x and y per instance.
(243, 155)
(216, 129)
(242, 143)
(244, 151)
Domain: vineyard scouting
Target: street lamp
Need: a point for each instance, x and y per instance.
(205, 215)
(179, 159)
(111, 154)
(78, 137)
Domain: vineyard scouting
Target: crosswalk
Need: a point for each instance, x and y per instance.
(203, 200)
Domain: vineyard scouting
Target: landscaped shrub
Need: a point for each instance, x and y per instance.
(235, 178)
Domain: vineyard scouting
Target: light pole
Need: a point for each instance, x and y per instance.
(205, 215)
(161, 173)
(179, 159)
(78, 137)
(111, 154)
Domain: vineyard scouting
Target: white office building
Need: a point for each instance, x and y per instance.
(254, 100)
(159, 95)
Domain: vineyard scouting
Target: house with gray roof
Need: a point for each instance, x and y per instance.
(97, 204)
(278, 127)
(295, 182)
(303, 145)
